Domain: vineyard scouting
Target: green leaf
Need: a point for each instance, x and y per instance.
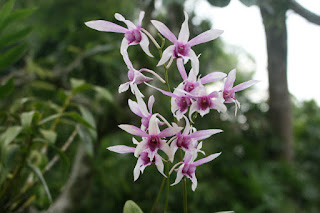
(86, 114)
(5, 10)
(26, 118)
(37, 171)
(12, 55)
(16, 16)
(78, 118)
(104, 93)
(131, 207)
(7, 88)
(14, 37)
(249, 3)
(219, 3)
(79, 85)
(49, 118)
(49, 135)
(86, 140)
(9, 135)
(12, 153)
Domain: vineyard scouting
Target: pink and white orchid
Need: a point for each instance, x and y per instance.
(143, 160)
(152, 141)
(189, 167)
(181, 47)
(132, 34)
(229, 91)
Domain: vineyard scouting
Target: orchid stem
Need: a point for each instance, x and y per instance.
(184, 189)
(167, 187)
(158, 196)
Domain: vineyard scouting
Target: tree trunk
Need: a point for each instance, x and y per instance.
(273, 13)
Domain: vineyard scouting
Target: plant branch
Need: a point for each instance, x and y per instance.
(307, 14)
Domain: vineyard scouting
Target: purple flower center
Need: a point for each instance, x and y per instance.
(133, 36)
(189, 86)
(181, 49)
(153, 142)
(189, 169)
(204, 102)
(131, 75)
(145, 121)
(183, 103)
(183, 142)
(228, 95)
(145, 158)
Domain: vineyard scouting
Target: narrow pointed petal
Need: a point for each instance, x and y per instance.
(194, 182)
(230, 79)
(159, 164)
(203, 134)
(194, 61)
(212, 77)
(134, 107)
(206, 159)
(167, 53)
(141, 15)
(121, 149)
(144, 43)
(129, 24)
(134, 141)
(187, 127)
(163, 29)
(244, 85)
(164, 92)
(105, 26)
(136, 170)
(150, 103)
(174, 147)
(179, 176)
(141, 146)
(214, 94)
(166, 149)
(124, 52)
(123, 87)
(143, 107)
(170, 131)
(153, 125)
(205, 37)
(135, 90)
(181, 69)
(219, 106)
(133, 130)
(184, 31)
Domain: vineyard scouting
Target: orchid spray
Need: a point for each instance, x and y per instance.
(190, 96)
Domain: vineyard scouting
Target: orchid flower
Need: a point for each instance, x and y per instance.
(132, 35)
(152, 141)
(143, 160)
(187, 140)
(229, 91)
(189, 167)
(181, 47)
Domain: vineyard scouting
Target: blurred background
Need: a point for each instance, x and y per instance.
(270, 150)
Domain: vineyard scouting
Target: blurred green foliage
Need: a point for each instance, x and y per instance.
(62, 51)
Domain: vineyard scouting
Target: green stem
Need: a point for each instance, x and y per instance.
(167, 187)
(158, 196)
(185, 198)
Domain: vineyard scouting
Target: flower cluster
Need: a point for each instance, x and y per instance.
(189, 96)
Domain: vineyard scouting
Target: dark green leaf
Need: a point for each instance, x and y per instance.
(26, 118)
(86, 140)
(14, 37)
(219, 3)
(37, 171)
(104, 93)
(78, 118)
(16, 16)
(249, 3)
(12, 55)
(5, 10)
(86, 114)
(79, 85)
(7, 88)
(9, 135)
(131, 207)
(12, 153)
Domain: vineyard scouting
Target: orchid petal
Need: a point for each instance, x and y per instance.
(159, 164)
(122, 149)
(194, 182)
(124, 52)
(123, 87)
(144, 43)
(135, 90)
(184, 31)
(134, 107)
(205, 37)
(136, 170)
(153, 125)
(170, 131)
(134, 141)
(181, 69)
(133, 130)
(167, 53)
(213, 94)
(203, 134)
(141, 15)
(174, 147)
(140, 147)
(166, 149)
(142, 107)
(179, 176)
(244, 85)
(164, 92)
(206, 159)
(212, 77)
(194, 61)
(105, 26)
(150, 103)
(219, 106)
(129, 24)
(230, 80)
(163, 29)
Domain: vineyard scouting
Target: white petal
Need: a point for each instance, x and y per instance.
(141, 146)
(179, 175)
(159, 164)
(141, 15)
(105, 26)
(129, 24)
(136, 170)
(163, 29)
(167, 53)
(194, 182)
(124, 87)
(166, 149)
(153, 125)
(194, 62)
(144, 43)
(121, 149)
(184, 31)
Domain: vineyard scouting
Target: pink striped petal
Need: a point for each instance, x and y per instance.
(133, 130)
(121, 149)
(105, 26)
(150, 103)
(141, 15)
(203, 134)
(134, 107)
(194, 182)
(167, 53)
(184, 31)
(170, 131)
(163, 91)
(230, 79)
(181, 69)
(206, 159)
(129, 24)
(212, 77)
(153, 125)
(163, 29)
(205, 37)
(179, 176)
(244, 85)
